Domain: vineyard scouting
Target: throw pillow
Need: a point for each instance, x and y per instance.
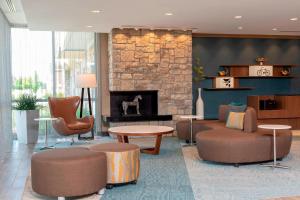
(236, 104)
(235, 109)
(235, 120)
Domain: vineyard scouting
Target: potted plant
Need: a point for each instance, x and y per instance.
(198, 76)
(26, 111)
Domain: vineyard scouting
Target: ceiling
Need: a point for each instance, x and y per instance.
(205, 16)
(15, 16)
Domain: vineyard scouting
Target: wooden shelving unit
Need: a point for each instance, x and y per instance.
(254, 77)
(242, 72)
(236, 88)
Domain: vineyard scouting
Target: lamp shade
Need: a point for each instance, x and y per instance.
(86, 81)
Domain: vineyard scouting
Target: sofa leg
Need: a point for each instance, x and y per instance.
(101, 192)
(236, 165)
(61, 198)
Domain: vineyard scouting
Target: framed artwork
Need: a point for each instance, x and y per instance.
(224, 82)
(260, 70)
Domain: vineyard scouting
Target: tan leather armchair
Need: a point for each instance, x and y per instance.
(64, 109)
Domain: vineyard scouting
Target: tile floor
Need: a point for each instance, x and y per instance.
(14, 168)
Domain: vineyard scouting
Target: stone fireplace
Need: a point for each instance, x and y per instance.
(158, 60)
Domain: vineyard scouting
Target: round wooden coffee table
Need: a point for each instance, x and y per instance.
(122, 133)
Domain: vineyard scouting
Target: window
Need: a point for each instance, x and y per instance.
(46, 63)
(74, 54)
(32, 63)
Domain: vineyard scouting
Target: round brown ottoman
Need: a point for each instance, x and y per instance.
(123, 162)
(68, 172)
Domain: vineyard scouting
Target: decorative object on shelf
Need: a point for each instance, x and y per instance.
(198, 71)
(135, 103)
(260, 70)
(285, 71)
(261, 60)
(224, 72)
(224, 82)
(200, 105)
(26, 111)
(86, 81)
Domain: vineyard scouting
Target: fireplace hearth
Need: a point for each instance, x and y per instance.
(129, 106)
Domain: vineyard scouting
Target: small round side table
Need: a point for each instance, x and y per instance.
(191, 118)
(274, 127)
(46, 119)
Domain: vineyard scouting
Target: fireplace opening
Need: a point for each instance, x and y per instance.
(135, 106)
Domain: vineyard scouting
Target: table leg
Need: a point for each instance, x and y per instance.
(120, 138)
(125, 139)
(191, 141)
(46, 139)
(155, 150)
(274, 148)
(275, 163)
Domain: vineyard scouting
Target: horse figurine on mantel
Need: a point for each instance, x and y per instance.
(135, 103)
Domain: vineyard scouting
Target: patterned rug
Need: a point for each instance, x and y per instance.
(248, 182)
(162, 176)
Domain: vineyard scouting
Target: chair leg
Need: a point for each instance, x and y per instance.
(87, 138)
(72, 142)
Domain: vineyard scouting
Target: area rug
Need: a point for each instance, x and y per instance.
(162, 177)
(226, 182)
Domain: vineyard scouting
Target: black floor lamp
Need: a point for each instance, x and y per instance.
(86, 81)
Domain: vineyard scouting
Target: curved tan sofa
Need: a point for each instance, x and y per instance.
(225, 145)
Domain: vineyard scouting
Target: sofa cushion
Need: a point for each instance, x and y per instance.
(235, 120)
(225, 109)
(250, 120)
(78, 125)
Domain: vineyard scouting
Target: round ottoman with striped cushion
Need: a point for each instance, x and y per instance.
(123, 162)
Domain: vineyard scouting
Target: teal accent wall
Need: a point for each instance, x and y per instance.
(214, 52)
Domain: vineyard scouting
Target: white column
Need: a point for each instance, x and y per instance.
(5, 83)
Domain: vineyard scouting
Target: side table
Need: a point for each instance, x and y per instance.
(274, 127)
(191, 118)
(46, 119)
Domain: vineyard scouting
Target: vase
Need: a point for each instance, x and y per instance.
(200, 105)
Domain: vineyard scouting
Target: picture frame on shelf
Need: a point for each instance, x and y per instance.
(224, 82)
(260, 70)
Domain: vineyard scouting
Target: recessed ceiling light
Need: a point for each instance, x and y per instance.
(168, 14)
(294, 19)
(96, 11)
(274, 29)
(89, 26)
(240, 27)
(238, 17)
